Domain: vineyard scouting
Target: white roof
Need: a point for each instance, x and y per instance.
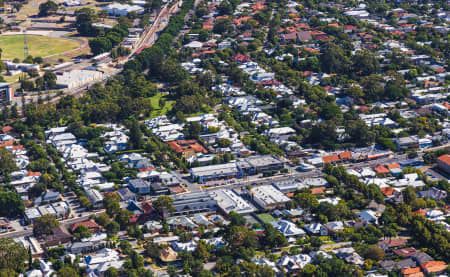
(287, 228)
(269, 195)
(228, 200)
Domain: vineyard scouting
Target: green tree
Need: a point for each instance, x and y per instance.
(7, 163)
(236, 219)
(152, 250)
(192, 130)
(85, 202)
(111, 204)
(44, 225)
(409, 195)
(202, 252)
(5, 272)
(365, 63)
(48, 7)
(334, 59)
(306, 200)
(375, 253)
(111, 272)
(12, 255)
(123, 218)
(67, 271)
(112, 228)
(164, 204)
(100, 45)
(11, 204)
(135, 141)
(102, 219)
(222, 25)
(82, 232)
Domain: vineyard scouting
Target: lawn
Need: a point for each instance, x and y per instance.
(266, 218)
(38, 46)
(157, 111)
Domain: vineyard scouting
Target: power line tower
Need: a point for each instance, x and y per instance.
(25, 45)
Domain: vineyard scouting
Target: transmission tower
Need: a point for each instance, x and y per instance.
(25, 45)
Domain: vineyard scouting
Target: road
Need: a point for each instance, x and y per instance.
(151, 33)
(238, 183)
(67, 222)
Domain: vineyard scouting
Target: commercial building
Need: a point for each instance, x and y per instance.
(268, 197)
(117, 9)
(264, 163)
(228, 201)
(215, 172)
(77, 78)
(192, 203)
(139, 186)
(158, 188)
(288, 185)
(6, 92)
(25, 67)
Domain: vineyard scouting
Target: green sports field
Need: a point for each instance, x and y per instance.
(266, 218)
(38, 46)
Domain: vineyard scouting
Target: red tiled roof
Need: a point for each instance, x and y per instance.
(258, 6)
(381, 169)
(420, 212)
(176, 189)
(302, 26)
(15, 147)
(270, 82)
(147, 207)
(387, 191)
(290, 194)
(289, 36)
(134, 218)
(90, 224)
(433, 266)
(145, 169)
(31, 173)
(392, 166)
(445, 159)
(393, 242)
(405, 252)
(311, 50)
(7, 129)
(318, 190)
(222, 17)
(345, 155)
(317, 33)
(238, 21)
(410, 270)
(331, 159)
(241, 58)
(7, 143)
(181, 146)
(349, 27)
